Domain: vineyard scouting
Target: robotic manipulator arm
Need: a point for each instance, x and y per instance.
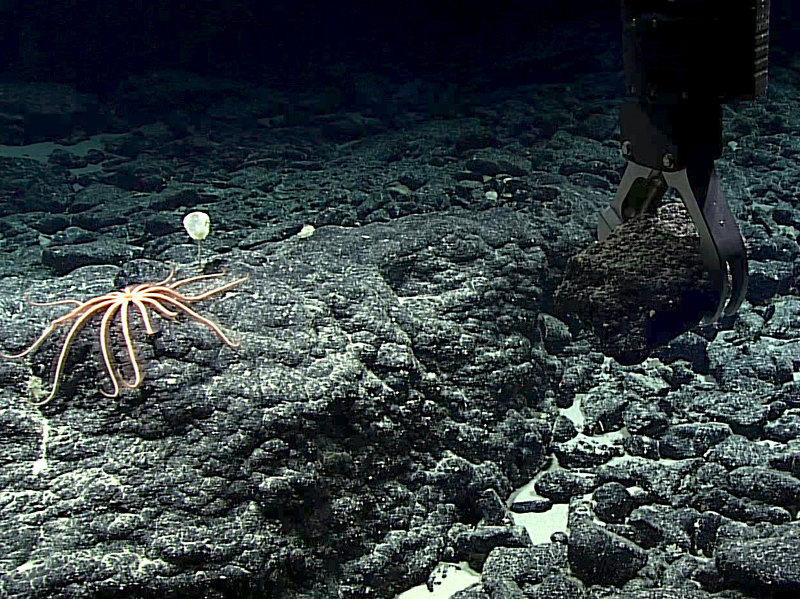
(683, 59)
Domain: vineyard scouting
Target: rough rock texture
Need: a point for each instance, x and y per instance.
(288, 454)
(767, 565)
(403, 372)
(637, 290)
(601, 557)
(45, 111)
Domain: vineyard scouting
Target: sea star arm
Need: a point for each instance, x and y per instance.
(140, 303)
(162, 297)
(93, 308)
(71, 315)
(126, 334)
(175, 301)
(104, 349)
(206, 294)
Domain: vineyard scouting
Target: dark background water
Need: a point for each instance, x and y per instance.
(94, 44)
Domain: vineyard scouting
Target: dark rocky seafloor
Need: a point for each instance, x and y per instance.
(402, 369)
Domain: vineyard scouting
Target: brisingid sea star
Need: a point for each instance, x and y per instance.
(162, 296)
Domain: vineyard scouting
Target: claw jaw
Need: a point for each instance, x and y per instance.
(721, 245)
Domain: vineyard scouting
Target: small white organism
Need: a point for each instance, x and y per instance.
(197, 225)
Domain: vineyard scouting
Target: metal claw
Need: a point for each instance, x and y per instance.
(721, 245)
